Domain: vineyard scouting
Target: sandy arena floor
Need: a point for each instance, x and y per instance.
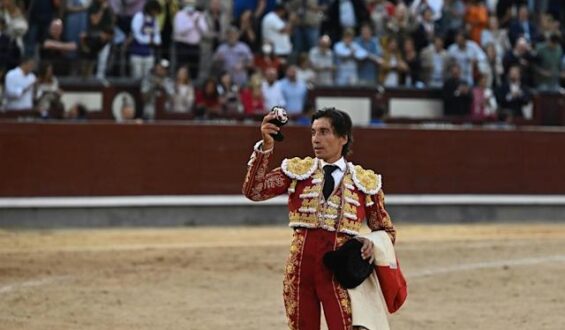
(459, 277)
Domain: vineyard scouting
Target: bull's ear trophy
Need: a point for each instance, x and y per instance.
(281, 118)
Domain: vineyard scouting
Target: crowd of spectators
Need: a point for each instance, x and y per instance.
(244, 56)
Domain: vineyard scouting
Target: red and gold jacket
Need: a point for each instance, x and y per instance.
(358, 197)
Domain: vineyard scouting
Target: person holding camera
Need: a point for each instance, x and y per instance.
(20, 83)
(329, 199)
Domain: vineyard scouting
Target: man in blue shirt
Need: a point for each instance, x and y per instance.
(294, 91)
(368, 67)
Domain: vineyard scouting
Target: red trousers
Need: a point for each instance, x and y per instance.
(309, 284)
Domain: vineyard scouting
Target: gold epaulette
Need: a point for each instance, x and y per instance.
(299, 168)
(365, 180)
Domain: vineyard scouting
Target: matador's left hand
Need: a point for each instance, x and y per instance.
(366, 249)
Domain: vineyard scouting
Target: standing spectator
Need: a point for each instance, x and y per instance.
(484, 104)
(425, 31)
(218, 22)
(76, 20)
(496, 36)
(304, 70)
(548, 69)
(154, 85)
(9, 51)
(275, 30)
(418, 7)
(434, 63)
(96, 42)
(267, 59)
(453, 15)
(307, 29)
(15, 22)
(40, 14)
(207, 99)
(252, 96)
(523, 27)
(249, 26)
(401, 24)
(342, 15)
(55, 49)
(512, 96)
(412, 59)
(169, 9)
(347, 53)
(523, 56)
(20, 82)
(393, 67)
(125, 10)
(228, 91)
(272, 92)
(495, 63)
(457, 94)
(368, 67)
(466, 53)
(380, 11)
(235, 56)
(294, 92)
(146, 36)
(477, 19)
(189, 29)
(259, 7)
(322, 60)
(183, 97)
(47, 92)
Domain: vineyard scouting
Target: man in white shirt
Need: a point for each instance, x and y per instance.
(271, 89)
(19, 86)
(275, 30)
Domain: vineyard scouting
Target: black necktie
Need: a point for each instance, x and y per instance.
(329, 182)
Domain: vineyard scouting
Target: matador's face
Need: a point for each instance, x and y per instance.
(326, 144)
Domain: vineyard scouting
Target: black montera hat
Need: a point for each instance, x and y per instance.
(349, 268)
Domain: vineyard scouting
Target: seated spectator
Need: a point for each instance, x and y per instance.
(547, 69)
(347, 53)
(393, 67)
(271, 89)
(368, 67)
(47, 91)
(513, 96)
(228, 91)
(207, 99)
(154, 85)
(183, 97)
(267, 59)
(412, 59)
(522, 56)
(15, 22)
(304, 70)
(95, 42)
(434, 63)
(19, 86)
(235, 56)
(77, 111)
(9, 51)
(457, 94)
(322, 60)
(56, 50)
(276, 30)
(294, 92)
(146, 35)
(484, 104)
(252, 96)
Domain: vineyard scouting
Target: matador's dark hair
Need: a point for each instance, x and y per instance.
(341, 124)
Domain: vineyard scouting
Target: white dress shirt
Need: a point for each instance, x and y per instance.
(19, 89)
(337, 173)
